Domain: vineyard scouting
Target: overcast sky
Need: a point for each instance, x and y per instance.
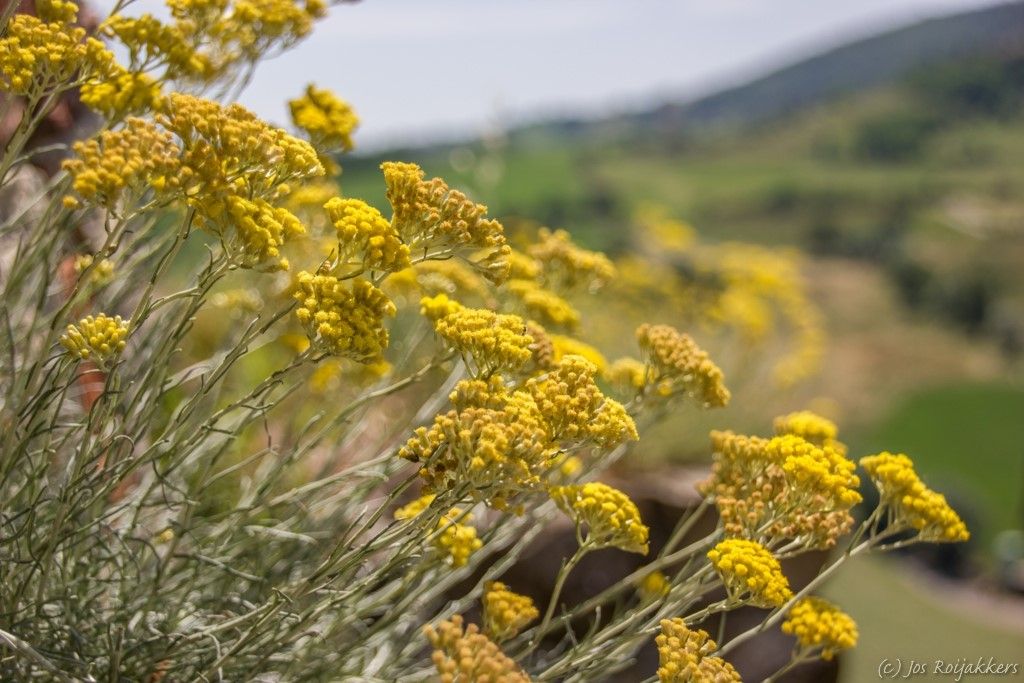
(418, 69)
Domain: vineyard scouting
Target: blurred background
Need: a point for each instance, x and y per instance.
(877, 147)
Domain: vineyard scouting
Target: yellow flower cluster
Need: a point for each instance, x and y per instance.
(231, 163)
(96, 338)
(260, 231)
(654, 585)
(450, 276)
(39, 56)
(468, 656)
(102, 272)
(783, 487)
(686, 656)
(454, 540)
(230, 150)
(497, 451)
(680, 365)
(565, 266)
(123, 164)
(494, 341)
(255, 26)
(328, 120)
(364, 234)
(750, 573)
(611, 518)
(60, 11)
(575, 410)
(505, 612)
(914, 505)
(569, 346)
(757, 281)
(343, 318)
(543, 304)
(150, 41)
(120, 92)
(808, 425)
(433, 218)
(439, 306)
(628, 374)
(818, 624)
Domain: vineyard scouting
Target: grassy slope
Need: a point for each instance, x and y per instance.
(969, 438)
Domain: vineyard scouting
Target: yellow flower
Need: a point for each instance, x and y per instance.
(468, 655)
(259, 231)
(783, 487)
(102, 272)
(611, 518)
(365, 235)
(229, 150)
(914, 504)
(122, 165)
(654, 585)
(750, 573)
(810, 426)
(505, 612)
(680, 365)
(437, 307)
(565, 266)
(497, 452)
(343, 318)
(818, 624)
(686, 656)
(328, 120)
(453, 539)
(38, 56)
(628, 374)
(121, 92)
(574, 408)
(542, 304)
(493, 341)
(433, 218)
(96, 338)
(569, 346)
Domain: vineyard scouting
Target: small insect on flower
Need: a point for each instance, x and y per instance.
(96, 338)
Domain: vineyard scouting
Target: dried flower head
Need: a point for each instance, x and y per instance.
(782, 488)
(466, 655)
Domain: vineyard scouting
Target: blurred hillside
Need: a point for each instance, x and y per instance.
(896, 162)
(901, 151)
